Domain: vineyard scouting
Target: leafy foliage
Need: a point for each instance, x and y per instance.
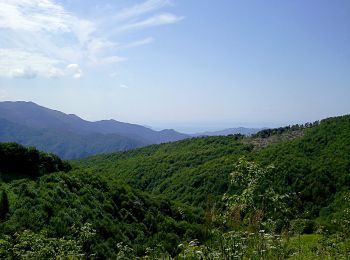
(57, 203)
(202, 198)
(4, 205)
(316, 166)
(30, 245)
(185, 171)
(18, 160)
(313, 167)
(281, 130)
(257, 237)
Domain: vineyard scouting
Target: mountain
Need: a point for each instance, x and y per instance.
(138, 131)
(311, 159)
(230, 131)
(65, 143)
(53, 212)
(280, 193)
(70, 136)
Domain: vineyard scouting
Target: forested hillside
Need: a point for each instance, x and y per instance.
(17, 161)
(80, 213)
(185, 171)
(314, 161)
(281, 193)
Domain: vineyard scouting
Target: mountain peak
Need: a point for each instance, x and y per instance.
(55, 131)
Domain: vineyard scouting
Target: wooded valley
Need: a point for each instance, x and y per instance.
(280, 193)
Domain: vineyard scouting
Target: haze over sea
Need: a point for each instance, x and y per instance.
(188, 65)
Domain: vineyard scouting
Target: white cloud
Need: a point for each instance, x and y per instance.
(25, 73)
(33, 15)
(140, 9)
(97, 45)
(123, 86)
(55, 73)
(156, 20)
(18, 63)
(74, 70)
(42, 38)
(32, 29)
(138, 43)
(109, 60)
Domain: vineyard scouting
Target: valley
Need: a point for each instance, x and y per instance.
(177, 199)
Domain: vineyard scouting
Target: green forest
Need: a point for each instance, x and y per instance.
(281, 193)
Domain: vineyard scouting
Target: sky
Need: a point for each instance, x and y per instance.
(190, 65)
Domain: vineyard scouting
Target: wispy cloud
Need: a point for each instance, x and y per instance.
(26, 73)
(33, 29)
(34, 15)
(141, 9)
(156, 20)
(74, 70)
(25, 64)
(137, 43)
(123, 86)
(42, 38)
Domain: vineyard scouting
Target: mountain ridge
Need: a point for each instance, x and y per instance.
(39, 117)
(230, 131)
(72, 137)
(162, 196)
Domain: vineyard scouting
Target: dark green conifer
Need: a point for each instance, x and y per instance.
(4, 205)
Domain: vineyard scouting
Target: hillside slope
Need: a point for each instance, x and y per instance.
(17, 161)
(45, 214)
(314, 163)
(233, 196)
(186, 170)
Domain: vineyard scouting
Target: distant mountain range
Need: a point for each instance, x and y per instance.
(231, 131)
(70, 137)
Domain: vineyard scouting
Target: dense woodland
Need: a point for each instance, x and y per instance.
(282, 193)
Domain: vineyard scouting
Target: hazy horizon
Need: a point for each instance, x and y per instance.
(189, 65)
(194, 127)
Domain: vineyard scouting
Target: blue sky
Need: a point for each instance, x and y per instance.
(189, 65)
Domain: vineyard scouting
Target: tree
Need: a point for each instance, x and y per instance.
(4, 205)
(255, 199)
